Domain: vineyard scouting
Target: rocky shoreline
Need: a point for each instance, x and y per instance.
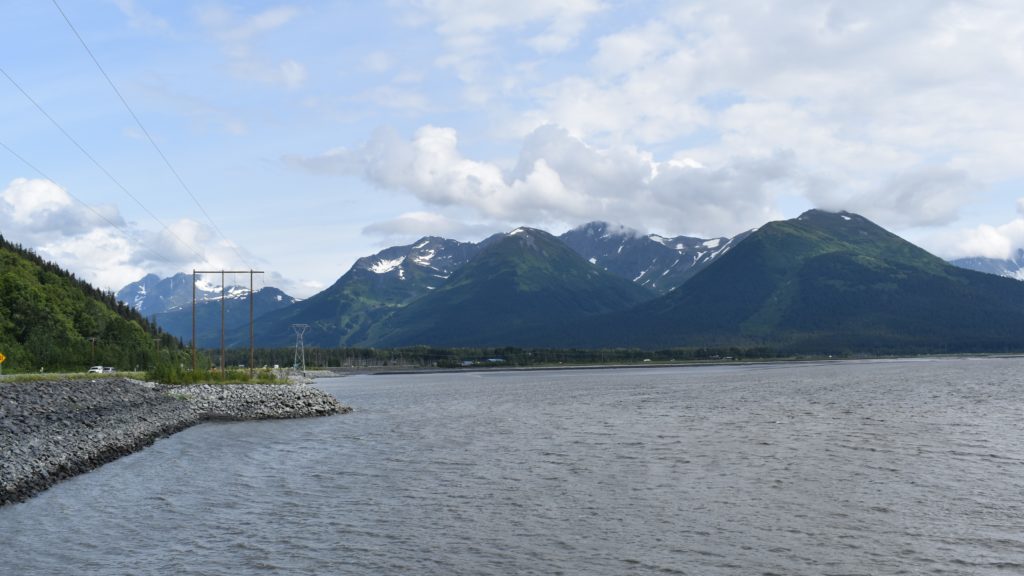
(53, 430)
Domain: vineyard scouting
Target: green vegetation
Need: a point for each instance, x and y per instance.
(826, 283)
(47, 376)
(519, 285)
(434, 357)
(343, 313)
(48, 319)
(176, 368)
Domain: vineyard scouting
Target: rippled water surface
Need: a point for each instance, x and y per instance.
(912, 467)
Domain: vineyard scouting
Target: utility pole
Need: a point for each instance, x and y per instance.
(252, 349)
(193, 324)
(300, 346)
(222, 301)
(222, 293)
(92, 359)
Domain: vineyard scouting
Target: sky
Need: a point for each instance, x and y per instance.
(300, 136)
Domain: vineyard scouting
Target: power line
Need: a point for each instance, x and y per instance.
(97, 163)
(163, 156)
(80, 201)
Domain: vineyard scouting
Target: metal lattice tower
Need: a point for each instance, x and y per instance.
(300, 347)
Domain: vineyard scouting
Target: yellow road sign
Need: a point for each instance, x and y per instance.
(2, 358)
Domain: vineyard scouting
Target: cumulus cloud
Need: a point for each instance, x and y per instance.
(923, 196)
(96, 243)
(40, 208)
(236, 35)
(103, 257)
(901, 112)
(559, 179)
(90, 241)
(987, 241)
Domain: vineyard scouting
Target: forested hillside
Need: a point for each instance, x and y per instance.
(47, 317)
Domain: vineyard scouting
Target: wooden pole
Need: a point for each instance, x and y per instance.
(193, 324)
(252, 348)
(222, 294)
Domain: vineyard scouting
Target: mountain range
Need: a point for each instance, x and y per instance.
(652, 261)
(168, 302)
(1009, 267)
(822, 282)
(519, 283)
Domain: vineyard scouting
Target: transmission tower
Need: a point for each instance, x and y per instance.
(300, 347)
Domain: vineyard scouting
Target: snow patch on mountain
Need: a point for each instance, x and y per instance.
(645, 259)
(384, 266)
(424, 258)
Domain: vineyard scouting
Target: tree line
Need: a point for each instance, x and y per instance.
(50, 320)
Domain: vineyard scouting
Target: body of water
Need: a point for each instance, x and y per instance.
(902, 467)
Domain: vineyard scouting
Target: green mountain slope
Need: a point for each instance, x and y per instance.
(828, 283)
(47, 317)
(374, 287)
(520, 282)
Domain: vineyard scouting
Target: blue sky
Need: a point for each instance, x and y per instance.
(314, 133)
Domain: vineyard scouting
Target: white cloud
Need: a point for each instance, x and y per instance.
(295, 287)
(925, 196)
(470, 33)
(237, 35)
(986, 241)
(103, 257)
(560, 179)
(40, 208)
(97, 244)
(411, 226)
(468, 25)
(902, 112)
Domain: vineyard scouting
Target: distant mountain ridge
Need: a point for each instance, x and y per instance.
(519, 281)
(178, 320)
(828, 283)
(1009, 267)
(656, 262)
(169, 302)
(823, 281)
(153, 295)
(372, 288)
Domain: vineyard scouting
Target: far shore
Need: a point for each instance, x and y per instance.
(334, 372)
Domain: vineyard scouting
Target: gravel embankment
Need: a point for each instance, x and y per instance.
(54, 430)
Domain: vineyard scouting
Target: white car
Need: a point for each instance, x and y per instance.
(95, 370)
